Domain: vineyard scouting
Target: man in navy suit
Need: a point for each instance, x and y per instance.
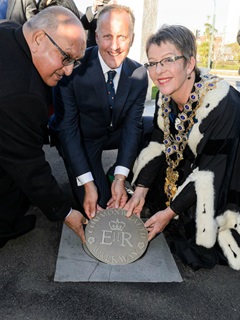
(86, 124)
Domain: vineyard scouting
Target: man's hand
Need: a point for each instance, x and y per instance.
(119, 194)
(75, 221)
(90, 200)
(112, 2)
(95, 5)
(136, 203)
(158, 222)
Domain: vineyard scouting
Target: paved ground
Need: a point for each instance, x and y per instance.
(27, 289)
(74, 264)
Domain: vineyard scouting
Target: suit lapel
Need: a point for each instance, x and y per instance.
(124, 85)
(95, 73)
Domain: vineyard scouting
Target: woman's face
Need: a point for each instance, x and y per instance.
(171, 78)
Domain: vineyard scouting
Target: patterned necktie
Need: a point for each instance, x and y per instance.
(110, 88)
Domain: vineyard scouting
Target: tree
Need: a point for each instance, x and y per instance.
(204, 46)
(203, 50)
(235, 50)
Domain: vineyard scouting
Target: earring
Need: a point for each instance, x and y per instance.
(189, 77)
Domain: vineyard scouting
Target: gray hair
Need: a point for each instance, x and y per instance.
(181, 37)
(51, 17)
(118, 9)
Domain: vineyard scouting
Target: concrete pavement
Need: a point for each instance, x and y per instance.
(28, 290)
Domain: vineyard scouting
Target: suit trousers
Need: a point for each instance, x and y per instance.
(14, 204)
(94, 149)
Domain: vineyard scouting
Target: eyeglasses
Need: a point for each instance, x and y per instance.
(67, 60)
(165, 63)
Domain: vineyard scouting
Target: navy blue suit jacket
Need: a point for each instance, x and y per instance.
(81, 110)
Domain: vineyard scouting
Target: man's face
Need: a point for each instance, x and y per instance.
(55, 48)
(114, 38)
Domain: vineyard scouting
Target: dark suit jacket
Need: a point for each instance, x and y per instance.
(82, 111)
(21, 10)
(23, 121)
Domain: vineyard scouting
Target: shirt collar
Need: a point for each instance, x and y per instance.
(105, 67)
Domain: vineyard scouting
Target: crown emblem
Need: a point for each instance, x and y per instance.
(117, 225)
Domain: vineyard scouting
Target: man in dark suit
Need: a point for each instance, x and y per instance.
(33, 57)
(18, 10)
(86, 123)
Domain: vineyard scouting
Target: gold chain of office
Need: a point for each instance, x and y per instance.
(175, 145)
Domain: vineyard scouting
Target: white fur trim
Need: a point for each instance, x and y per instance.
(210, 102)
(160, 120)
(206, 224)
(229, 220)
(194, 138)
(154, 149)
(190, 178)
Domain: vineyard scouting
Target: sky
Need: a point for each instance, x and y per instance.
(193, 14)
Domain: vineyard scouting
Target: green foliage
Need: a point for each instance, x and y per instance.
(154, 92)
(220, 56)
(235, 49)
(226, 65)
(203, 50)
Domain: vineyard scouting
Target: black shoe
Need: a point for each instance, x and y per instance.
(23, 226)
(2, 243)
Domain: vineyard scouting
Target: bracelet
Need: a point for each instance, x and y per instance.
(118, 179)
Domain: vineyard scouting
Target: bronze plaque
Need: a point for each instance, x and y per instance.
(114, 239)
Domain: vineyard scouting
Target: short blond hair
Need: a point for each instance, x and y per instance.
(116, 8)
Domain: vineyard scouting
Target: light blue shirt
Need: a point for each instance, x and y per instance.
(3, 9)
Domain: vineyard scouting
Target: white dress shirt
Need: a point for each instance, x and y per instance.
(87, 177)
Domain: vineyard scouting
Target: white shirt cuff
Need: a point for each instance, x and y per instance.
(68, 214)
(121, 170)
(84, 178)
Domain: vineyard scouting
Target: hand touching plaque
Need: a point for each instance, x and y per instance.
(114, 239)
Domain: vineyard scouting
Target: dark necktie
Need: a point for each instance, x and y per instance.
(110, 88)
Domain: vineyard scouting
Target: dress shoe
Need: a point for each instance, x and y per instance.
(2, 243)
(23, 226)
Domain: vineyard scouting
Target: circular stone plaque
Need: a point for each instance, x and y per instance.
(114, 239)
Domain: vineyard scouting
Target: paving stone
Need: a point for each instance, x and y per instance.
(75, 265)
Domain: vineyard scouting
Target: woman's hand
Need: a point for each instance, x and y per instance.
(136, 203)
(158, 222)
